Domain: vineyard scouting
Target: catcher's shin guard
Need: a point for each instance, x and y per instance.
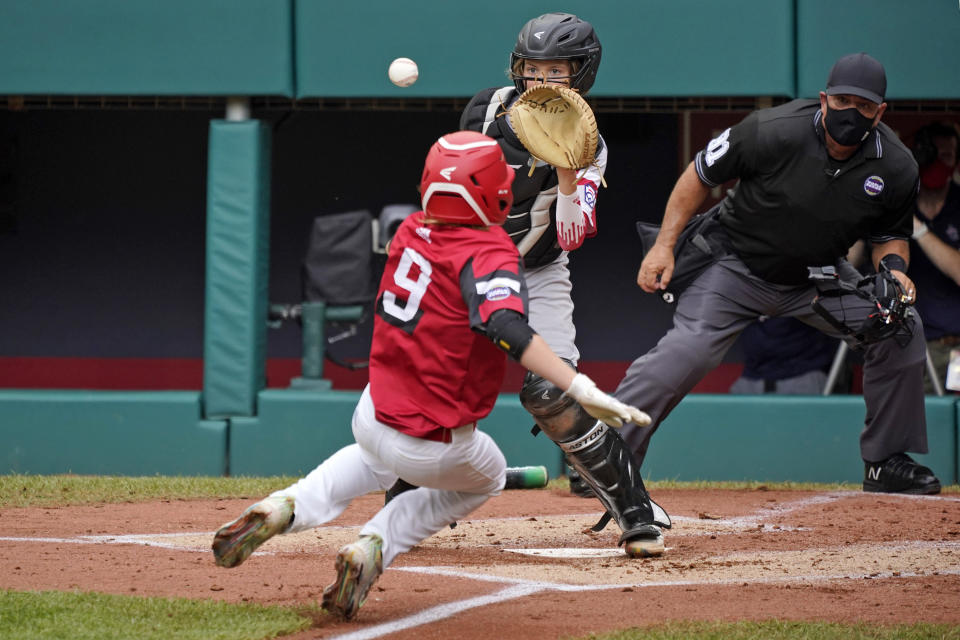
(604, 462)
(599, 455)
(557, 415)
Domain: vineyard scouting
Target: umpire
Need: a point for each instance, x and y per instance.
(814, 177)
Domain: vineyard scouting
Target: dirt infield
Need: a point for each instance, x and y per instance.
(526, 562)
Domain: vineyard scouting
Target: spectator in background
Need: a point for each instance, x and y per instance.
(784, 355)
(935, 245)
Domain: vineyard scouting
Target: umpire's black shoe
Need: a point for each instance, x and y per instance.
(900, 474)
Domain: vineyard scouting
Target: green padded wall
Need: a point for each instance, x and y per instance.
(237, 270)
(130, 433)
(707, 437)
(137, 47)
(956, 441)
(918, 43)
(312, 48)
(295, 430)
(781, 438)
(650, 47)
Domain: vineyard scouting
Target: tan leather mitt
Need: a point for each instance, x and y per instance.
(556, 125)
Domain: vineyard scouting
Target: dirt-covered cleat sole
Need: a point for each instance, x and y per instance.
(235, 541)
(645, 546)
(358, 565)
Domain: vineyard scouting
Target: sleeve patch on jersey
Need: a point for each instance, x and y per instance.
(498, 293)
(501, 285)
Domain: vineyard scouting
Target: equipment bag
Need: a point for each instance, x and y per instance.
(338, 268)
(701, 243)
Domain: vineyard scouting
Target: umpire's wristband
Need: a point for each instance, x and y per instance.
(893, 262)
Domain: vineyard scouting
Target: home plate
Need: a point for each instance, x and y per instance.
(569, 553)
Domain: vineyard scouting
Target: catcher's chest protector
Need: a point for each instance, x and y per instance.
(487, 117)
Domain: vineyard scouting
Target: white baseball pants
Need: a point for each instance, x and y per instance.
(453, 478)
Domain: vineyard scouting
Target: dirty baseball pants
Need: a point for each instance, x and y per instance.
(719, 305)
(454, 478)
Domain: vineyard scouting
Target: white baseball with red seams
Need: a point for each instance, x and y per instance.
(403, 72)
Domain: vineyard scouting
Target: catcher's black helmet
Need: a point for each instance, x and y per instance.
(559, 36)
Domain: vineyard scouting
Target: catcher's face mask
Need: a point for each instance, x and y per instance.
(892, 317)
(542, 71)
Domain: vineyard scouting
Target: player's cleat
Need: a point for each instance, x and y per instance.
(899, 474)
(358, 564)
(648, 544)
(235, 541)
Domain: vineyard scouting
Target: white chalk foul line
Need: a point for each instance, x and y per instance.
(451, 572)
(520, 588)
(144, 539)
(441, 612)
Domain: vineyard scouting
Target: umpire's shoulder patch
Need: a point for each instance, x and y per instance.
(873, 185)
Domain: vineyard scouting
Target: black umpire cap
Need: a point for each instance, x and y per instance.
(860, 75)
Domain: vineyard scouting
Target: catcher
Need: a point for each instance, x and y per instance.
(550, 138)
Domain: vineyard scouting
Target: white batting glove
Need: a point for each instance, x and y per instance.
(602, 406)
(587, 195)
(571, 229)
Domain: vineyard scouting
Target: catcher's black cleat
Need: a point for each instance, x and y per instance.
(402, 486)
(900, 474)
(398, 487)
(645, 541)
(578, 486)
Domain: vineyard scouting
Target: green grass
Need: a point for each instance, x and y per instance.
(30, 615)
(18, 490)
(40, 491)
(777, 630)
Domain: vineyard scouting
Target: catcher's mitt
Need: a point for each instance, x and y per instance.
(556, 125)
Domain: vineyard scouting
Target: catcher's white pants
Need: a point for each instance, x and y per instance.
(454, 479)
(551, 307)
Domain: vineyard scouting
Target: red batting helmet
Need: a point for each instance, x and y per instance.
(466, 180)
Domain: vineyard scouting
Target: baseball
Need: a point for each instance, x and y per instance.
(403, 72)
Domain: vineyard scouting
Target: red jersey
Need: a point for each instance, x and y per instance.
(431, 367)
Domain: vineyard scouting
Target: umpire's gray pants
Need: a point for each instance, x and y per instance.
(719, 305)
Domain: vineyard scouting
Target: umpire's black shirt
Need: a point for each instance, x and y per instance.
(797, 207)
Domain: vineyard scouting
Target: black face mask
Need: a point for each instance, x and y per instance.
(847, 126)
